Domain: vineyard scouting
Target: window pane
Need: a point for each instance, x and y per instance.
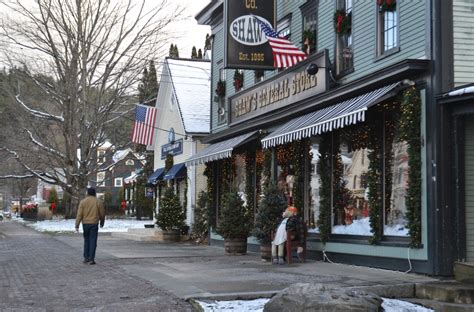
(396, 186)
(239, 179)
(350, 191)
(314, 187)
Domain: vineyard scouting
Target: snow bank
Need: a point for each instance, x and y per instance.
(67, 226)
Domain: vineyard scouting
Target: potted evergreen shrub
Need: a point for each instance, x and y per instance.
(235, 224)
(171, 216)
(269, 214)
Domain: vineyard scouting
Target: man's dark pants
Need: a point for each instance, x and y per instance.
(90, 240)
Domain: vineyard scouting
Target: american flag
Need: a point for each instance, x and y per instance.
(144, 126)
(285, 53)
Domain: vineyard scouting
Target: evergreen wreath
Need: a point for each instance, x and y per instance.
(387, 5)
(238, 80)
(410, 131)
(220, 88)
(342, 21)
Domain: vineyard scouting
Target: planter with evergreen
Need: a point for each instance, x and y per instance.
(235, 224)
(268, 217)
(171, 216)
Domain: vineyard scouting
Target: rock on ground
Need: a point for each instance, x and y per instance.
(317, 297)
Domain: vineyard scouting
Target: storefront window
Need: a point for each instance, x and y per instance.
(397, 183)
(285, 173)
(313, 213)
(350, 192)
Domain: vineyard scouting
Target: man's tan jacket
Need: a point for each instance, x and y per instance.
(91, 211)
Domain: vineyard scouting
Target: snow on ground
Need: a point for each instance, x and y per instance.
(67, 226)
(394, 305)
(389, 305)
(234, 306)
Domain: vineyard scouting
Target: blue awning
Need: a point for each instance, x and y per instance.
(156, 176)
(337, 116)
(176, 172)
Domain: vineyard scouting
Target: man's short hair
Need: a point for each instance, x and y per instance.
(91, 191)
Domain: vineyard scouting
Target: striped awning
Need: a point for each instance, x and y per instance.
(219, 150)
(337, 116)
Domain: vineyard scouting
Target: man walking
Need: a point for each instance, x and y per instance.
(90, 212)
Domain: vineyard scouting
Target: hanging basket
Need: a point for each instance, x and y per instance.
(387, 5)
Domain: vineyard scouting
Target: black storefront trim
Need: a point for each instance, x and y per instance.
(391, 74)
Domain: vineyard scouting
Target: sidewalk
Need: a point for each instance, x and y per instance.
(190, 271)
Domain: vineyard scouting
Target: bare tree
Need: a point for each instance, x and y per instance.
(86, 57)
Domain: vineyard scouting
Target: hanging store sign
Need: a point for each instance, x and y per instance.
(173, 148)
(287, 88)
(246, 46)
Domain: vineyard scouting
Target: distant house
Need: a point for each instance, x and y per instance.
(117, 165)
(183, 120)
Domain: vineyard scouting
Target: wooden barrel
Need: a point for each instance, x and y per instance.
(235, 246)
(171, 236)
(266, 252)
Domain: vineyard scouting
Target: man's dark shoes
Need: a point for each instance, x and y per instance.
(86, 261)
(92, 262)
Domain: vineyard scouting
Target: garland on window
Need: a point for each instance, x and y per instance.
(259, 163)
(267, 167)
(300, 153)
(410, 132)
(249, 176)
(324, 172)
(342, 21)
(211, 192)
(387, 5)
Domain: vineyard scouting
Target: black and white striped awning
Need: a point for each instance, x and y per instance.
(337, 116)
(219, 150)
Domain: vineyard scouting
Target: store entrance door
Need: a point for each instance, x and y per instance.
(469, 186)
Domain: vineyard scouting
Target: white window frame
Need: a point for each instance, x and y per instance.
(383, 27)
(120, 180)
(101, 179)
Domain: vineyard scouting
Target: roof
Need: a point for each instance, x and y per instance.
(192, 86)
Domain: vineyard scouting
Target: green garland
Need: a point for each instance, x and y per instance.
(267, 167)
(324, 172)
(300, 152)
(410, 131)
(249, 186)
(211, 195)
(374, 180)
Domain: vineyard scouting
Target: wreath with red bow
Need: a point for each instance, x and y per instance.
(387, 5)
(342, 21)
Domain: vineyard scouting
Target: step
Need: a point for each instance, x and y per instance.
(138, 237)
(446, 291)
(464, 272)
(441, 306)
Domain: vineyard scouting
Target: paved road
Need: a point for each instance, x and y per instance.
(40, 272)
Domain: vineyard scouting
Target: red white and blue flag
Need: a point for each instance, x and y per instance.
(143, 129)
(285, 53)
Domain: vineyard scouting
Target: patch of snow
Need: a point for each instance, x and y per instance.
(120, 154)
(68, 226)
(389, 305)
(461, 91)
(396, 230)
(394, 305)
(234, 305)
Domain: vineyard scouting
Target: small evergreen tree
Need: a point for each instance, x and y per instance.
(174, 51)
(269, 213)
(235, 221)
(108, 199)
(53, 196)
(201, 222)
(199, 55)
(207, 43)
(171, 214)
(194, 53)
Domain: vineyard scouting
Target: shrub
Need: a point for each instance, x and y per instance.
(235, 221)
(171, 215)
(201, 220)
(269, 213)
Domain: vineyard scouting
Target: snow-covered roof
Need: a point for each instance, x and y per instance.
(461, 91)
(192, 86)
